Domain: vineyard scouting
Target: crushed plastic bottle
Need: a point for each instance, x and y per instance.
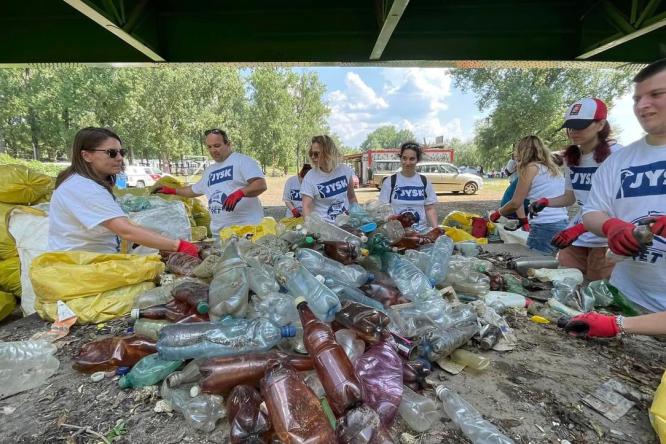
(439, 343)
(343, 388)
(371, 263)
(210, 339)
(505, 299)
(392, 230)
(297, 415)
(350, 343)
(475, 428)
(383, 290)
(412, 282)
(261, 278)
(553, 275)
(315, 224)
(25, 365)
(378, 210)
(362, 425)
(368, 322)
(418, 258)
(344, 252)
(299, 281)
(193, 293)
(174, 310)
(379, 244)
(411, 320)
(188, 375)
(277, 307)
(148, 371)
(111, 353)
(599, 291)
(317, 264)
(228, 293)
(380, 371)
(247, 421)
(182, 264)
(150, 327)
(348, 293)
(415, 372)
(437, 266)
(200, 412)
(468, 248)
(155, 296)
(419, 412)
(567, 292)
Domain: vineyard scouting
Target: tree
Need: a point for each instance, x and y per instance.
(465, 152)
(524, 102)
(386, 137)
(310, 110)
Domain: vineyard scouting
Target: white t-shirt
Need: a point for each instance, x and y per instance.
(511, 169)
(579, 180)
(219, 181)
(292, 193)
(328, 191)
(631, 185)
(409, 195)
(78, 207)
(545, 185)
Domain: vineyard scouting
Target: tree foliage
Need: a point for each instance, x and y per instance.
(386, 137)
(524, 102)
(161, 113)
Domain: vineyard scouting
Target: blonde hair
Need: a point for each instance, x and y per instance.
(531, 150)
(330, 156)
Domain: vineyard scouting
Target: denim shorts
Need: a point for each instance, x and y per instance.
(542, 234)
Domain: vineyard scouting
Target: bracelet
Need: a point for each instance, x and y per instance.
(619, 320)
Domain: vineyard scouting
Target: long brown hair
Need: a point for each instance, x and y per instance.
(601, 151)
(530, 150)
(88, 139)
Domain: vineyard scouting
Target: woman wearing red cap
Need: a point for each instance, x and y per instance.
(589, 132)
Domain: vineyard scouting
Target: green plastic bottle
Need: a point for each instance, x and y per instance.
(148, 371)
(378, 244)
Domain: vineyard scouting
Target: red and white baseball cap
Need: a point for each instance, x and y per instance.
(581, 114)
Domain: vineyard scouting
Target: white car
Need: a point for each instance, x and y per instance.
(140, 176)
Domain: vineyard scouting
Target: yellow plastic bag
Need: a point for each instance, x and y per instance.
(167, 181)
(68, 275)
(7, 304)
(199, 233)
(265, 228)
(10, 276)
(459, 235)
(7, 243)
(100, 308)
(137, 192)
(21, 185)
(201, 215)
(658, 410)
(291, 222)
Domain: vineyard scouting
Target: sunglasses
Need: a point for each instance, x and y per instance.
(112, 153)
(314, 154)
(214, 131)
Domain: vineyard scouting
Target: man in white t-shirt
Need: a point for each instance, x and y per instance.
(232, 185)
(631, 186)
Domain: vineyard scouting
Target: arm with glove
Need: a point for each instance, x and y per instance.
(255, 187)
(595, 325)
(182, 191)
(515, 205)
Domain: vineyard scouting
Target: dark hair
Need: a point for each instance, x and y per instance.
(652, 69)
(88, 139)
(411, 146)
(601, 151)
(304, 170)
(225, 137)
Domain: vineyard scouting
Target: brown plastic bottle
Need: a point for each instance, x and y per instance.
(412, 239)
(353, 230)
(336, 372)
(343, 252)
(369, 323)
(194, 293)
(386, 293)
(109, 353)
(414, 373)
(297, 415)
(221, 375)
(406, 219)
(247, 421)
(362, 425)
(175, 310)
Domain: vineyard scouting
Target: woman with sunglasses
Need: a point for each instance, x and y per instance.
(328, 188)
(84, 214)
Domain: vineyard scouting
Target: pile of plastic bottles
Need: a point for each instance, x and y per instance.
(320, 334)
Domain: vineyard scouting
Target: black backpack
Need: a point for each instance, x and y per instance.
(394, 178)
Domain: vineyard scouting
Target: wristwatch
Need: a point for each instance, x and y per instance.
(619, 320)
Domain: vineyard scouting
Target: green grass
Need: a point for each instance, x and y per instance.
(495, 184)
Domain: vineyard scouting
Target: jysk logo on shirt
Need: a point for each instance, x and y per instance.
(296, 195)
(336, 209)
(655, 253)
(216, 201)
(643, 180)
(221, 175)
(581, 177)
(333, 187)
(409, 193)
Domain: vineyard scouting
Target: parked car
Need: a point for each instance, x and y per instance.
(443, 176)
(140, 176)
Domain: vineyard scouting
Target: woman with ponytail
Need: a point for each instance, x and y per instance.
(590, 135)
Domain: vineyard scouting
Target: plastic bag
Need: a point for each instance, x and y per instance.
(658, 410)
(21, 185)
(7, 243)
(169, 219)
(201, 215)
(265, 228)
(198, 233)
(291, 222)
(459, 235)
(464, 221)
(183, 264)
(7, 304)
(25, 365)
(599, 291)
(10, 276)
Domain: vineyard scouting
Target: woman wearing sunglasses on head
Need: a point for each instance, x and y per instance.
(84, 214)
(328, 189)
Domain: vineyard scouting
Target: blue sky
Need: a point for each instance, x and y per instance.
(421, 99)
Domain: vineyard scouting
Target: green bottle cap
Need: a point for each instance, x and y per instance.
(202, 307)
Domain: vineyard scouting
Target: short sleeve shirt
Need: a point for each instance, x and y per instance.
(292, 193)
(328, 191)
(409, 196)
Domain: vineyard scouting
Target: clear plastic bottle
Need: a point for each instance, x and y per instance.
(419, 412)
(211, 339)
(155, 296)
(300, 282)
(188, 375)
(358, 216)
(362, 425)
(261, 278)
(316, 263)
(315, 224)
(201, 412)
(348, 293)
(228, 293)
(368, 322)
(468, 248)
(418, 258)
(440, 256)
(150, 327)
(393, 230)
(505, 298)
(371, 263)
(278, 307)
(352, 346)
(552, 275)
(412, 319)
(378, 210)
(470, 359)
(439, 343)
(475, 428)
(25, 365)
(148, 371)
(247, 421)
(294, 236)
(411, 281)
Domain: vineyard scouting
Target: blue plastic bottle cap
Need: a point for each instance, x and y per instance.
(369, 227)
(123, 370)
(432, 282)
(371, 277)
(130, 330)
(288, 331)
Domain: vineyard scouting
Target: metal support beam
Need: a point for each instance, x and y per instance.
(617, 19)
(107, 24)
(390, 22)
(136, 16)
(647, 12)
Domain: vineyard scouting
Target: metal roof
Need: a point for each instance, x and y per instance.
(424, 33)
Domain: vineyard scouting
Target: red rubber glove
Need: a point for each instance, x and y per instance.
(232, 200)
(658, 225)
(494, 217)
(621, 239)
(295, 212)
(164, 190)
(590, 325)
(565, 238)
(538, 206)
(188, 248)
(525, 224)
